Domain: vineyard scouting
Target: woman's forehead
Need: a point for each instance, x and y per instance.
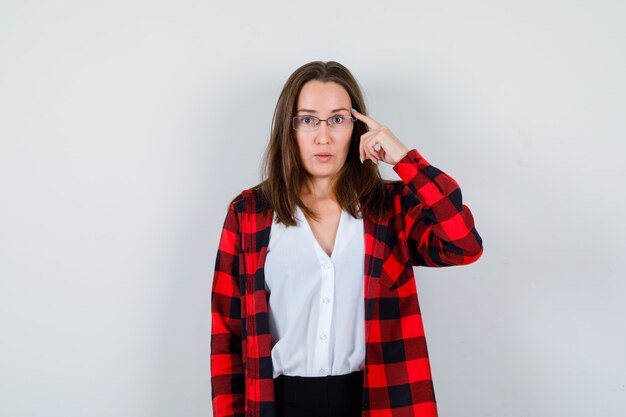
(317, 96)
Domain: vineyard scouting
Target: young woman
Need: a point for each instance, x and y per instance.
(314, 305)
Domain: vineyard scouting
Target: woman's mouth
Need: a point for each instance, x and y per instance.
(323, 157)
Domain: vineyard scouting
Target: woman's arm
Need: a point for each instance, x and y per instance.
(227, 376)
(439, 227)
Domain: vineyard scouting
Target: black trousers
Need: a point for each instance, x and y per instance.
(324, 396)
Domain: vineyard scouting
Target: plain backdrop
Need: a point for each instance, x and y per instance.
(127, 126)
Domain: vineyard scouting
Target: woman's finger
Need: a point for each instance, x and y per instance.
(371, 123)
(368, 144)
(365, 137)
(364, 149)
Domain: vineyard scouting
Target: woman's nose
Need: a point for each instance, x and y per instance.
(322, 133)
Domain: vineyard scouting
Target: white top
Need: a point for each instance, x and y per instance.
(316, 307)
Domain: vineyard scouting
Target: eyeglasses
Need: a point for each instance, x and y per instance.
(337, 122)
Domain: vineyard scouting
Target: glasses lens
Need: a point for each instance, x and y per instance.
(339, 122)
(305, 123)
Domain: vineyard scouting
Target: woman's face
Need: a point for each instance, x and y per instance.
(323, 151)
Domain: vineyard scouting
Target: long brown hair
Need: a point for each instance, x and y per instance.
(358, 187)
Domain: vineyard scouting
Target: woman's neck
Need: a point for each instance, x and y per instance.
(317, 189)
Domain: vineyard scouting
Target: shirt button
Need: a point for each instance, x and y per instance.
(326, 300)
(326, 265)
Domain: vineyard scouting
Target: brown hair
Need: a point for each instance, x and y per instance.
(358, 187)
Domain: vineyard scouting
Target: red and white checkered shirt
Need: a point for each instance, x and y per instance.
(426, 224)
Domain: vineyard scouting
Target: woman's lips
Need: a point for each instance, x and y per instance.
(323, 157)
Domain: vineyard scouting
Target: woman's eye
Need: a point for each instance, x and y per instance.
(307, 120)
(338, 120)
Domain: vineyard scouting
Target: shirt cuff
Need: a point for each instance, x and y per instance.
(407, 167)
(417, 173)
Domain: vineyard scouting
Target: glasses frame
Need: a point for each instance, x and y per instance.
(317, 124)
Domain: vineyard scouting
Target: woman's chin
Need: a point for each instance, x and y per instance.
(323, 173)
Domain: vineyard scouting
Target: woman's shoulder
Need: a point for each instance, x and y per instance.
(398, 196)
(393, 187)
(250, 198)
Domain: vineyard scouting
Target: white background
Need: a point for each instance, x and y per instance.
(127, 126)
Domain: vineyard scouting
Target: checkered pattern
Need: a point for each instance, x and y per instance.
(426, 225)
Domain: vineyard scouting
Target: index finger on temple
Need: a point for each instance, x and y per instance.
(366, 119)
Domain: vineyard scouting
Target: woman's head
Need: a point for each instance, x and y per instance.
(294, 153)
(322, 129)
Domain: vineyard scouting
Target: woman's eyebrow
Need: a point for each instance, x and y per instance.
(315, 111)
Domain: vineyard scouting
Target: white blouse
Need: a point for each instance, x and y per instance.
(316, 307)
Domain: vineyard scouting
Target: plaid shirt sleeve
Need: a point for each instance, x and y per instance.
(439, 227)
(227, 373)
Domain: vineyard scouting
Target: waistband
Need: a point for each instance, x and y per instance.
(331, 389)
